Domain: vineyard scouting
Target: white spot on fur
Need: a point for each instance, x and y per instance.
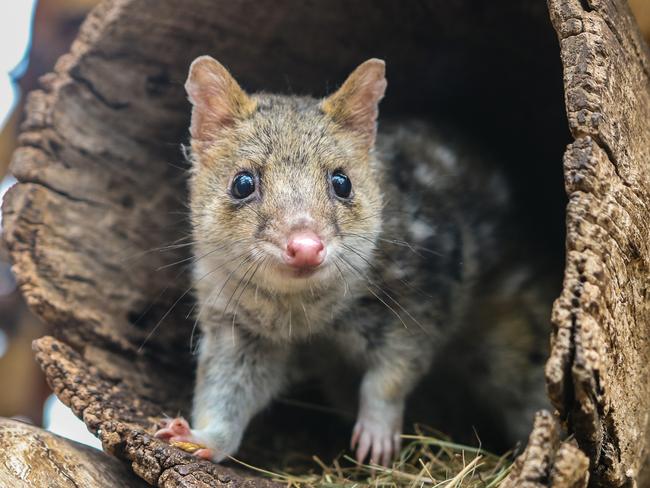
(446, 156)
(421, 231)
(396, 271)
(425, 174)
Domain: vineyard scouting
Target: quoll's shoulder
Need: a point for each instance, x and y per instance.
(446, 210)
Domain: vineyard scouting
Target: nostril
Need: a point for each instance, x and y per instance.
(292, 248)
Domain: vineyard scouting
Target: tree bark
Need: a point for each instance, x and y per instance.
(598, 373)
(547, 461)
(33, 458)
(93, 226)
(124, 422)
(599, 370)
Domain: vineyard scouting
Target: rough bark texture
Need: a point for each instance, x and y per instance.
(547, 461)
(123, 421)
(97, 218)
(33, 458)
(599, 370)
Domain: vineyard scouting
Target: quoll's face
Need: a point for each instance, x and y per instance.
(289, 199)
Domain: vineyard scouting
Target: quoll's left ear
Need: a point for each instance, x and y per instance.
(356, 104)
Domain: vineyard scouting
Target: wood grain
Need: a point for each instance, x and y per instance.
(33, 458)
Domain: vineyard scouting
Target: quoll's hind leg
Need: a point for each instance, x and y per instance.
(516, 349)
(177, 431)
(504, 345)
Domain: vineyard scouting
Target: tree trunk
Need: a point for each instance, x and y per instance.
(94, 221)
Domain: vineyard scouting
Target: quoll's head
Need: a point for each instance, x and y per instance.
(285, 189)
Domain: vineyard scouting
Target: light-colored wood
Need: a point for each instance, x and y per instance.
(548, 462)
(33, 458)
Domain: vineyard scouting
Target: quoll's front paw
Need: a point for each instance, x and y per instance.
(379, 439)
(179, 434)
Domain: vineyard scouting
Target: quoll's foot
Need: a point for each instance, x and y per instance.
(179, 434)
(377, 439)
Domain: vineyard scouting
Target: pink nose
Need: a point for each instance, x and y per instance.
(304, 249)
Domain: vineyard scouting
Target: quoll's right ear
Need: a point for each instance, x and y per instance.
(356, 104)
(217, 99)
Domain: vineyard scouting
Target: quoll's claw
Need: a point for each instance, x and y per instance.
(179, 434)
(380, 442)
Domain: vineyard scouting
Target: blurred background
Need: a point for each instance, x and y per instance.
(34, 34)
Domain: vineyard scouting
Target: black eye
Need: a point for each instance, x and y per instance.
(341, 184)
(243, 185)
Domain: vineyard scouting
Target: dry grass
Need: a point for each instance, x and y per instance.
(427, 460)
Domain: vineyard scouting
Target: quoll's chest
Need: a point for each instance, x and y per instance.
(297, 317)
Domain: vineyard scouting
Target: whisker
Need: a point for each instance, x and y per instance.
(259, 264)
(399, 317)
(173, 245)
(304, 310)
(389, 296)
(176, 302)
(211, 301)
(196, 259)
(289, 321)
(413, 247)
(220, 266)
(374, 268)
(347, 286)
(243, 277)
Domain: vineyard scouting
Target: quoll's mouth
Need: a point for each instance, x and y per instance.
(292, 272)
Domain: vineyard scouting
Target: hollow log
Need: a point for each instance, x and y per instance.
(598, 372)
(94, 223)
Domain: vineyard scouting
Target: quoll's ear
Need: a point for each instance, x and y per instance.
(217, 99)
(356, 104)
